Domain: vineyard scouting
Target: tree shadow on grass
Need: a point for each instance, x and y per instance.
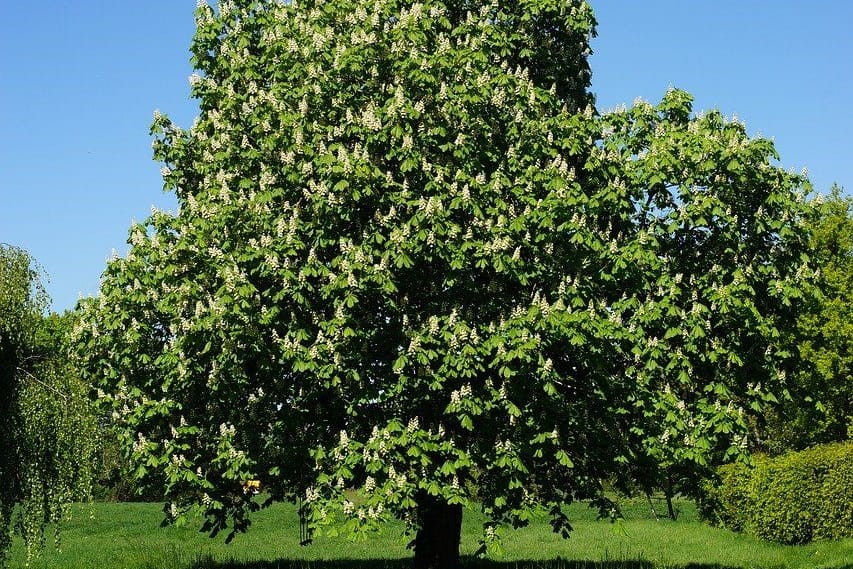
(467, 563)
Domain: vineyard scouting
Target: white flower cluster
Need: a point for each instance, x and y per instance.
(413, 425)
(457, 395)
(140, 444)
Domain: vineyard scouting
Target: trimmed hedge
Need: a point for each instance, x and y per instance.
(795, 498)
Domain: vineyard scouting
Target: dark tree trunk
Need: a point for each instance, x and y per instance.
(652, 506)
(669, 508)
(437, 541)
(673, 515)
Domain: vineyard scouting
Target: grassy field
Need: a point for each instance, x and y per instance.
(128, 536)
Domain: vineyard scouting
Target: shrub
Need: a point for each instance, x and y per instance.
(725, 502)
(794, 498)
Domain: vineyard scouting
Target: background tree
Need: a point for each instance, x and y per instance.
(819, 409)
(47, 428)
(409, 260)
(723, 230)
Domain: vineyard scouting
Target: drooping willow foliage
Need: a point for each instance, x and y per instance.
(48, 430)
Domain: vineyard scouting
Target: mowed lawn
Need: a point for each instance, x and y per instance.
(129, 536)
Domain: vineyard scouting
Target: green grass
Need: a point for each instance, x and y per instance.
(129, 536)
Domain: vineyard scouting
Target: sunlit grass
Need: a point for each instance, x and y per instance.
(129, 536)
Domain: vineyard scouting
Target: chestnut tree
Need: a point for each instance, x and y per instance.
(413, 266)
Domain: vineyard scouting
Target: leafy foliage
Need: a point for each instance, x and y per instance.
(47, 428)
(719, 242)
(411, 260)
(794, 498)
(820, 409)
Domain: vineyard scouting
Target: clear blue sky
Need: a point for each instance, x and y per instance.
(79, 81)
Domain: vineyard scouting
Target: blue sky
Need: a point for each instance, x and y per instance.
(79, 82)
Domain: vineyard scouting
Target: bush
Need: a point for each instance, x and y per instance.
(794, 498)
(726, 501)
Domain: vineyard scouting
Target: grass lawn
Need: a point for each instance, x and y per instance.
(129, 536)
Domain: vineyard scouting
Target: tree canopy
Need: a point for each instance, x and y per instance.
(47, 425)
(819, 410)
(411, 260)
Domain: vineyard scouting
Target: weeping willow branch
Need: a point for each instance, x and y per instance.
(43, 384)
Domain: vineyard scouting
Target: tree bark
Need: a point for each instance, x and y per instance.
(668, 493)
(439, 534)
(652, 506)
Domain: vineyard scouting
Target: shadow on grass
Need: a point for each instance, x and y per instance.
(467, 563)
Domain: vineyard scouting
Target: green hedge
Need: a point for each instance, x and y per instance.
(794, 498)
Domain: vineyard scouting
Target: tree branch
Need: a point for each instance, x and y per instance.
(43, 384)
